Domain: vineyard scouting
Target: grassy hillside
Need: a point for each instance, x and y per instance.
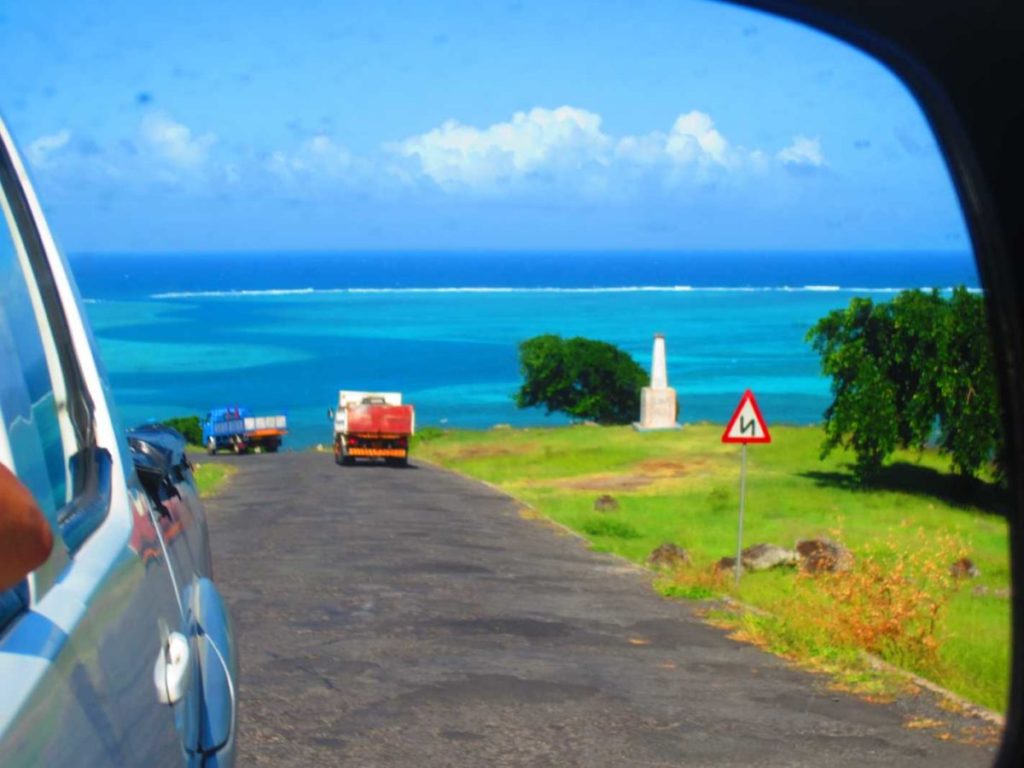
(682, 487)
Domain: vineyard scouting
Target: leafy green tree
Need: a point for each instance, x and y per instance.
(968, 405)
(583, 378)
(862, 415)
(915, 370)
(913, 353)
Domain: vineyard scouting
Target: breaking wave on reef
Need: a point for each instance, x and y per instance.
(499, 289)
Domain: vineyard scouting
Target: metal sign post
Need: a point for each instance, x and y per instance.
(743, 493)
(747, 425)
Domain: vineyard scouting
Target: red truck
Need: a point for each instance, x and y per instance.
(372, 425)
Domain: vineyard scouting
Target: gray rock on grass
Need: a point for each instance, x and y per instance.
(760, 557)
(763, 557)
(824, 556)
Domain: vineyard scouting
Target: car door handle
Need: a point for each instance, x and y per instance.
(172, 671)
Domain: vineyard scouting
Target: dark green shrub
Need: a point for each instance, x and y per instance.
(189, 426)
(610, 527)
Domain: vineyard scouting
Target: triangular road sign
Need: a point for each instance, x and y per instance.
(747, 425)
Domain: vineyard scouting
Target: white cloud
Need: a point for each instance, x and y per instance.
(568, 144)
(174, 141)
(694, 139)
(802, 153)
(542, 139)
(565, 152)
(41, 150)
(319, 156)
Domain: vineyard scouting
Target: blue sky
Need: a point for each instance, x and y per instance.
(193, 126)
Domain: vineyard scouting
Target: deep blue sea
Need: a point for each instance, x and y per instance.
(282, 332)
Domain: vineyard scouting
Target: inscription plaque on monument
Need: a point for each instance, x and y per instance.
(658, 401)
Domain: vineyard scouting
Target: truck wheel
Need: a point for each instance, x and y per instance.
(272, 447)
(341, 454)
(211, 446)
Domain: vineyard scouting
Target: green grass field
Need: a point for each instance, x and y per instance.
(211, 476)
(683, 487)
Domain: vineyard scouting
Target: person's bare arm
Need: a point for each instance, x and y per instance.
(25, 535)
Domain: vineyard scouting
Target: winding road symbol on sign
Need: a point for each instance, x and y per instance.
(747, 425)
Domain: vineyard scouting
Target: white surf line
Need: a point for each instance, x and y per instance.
(270, 292)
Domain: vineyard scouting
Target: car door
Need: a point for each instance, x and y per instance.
(95, 646)
(166, 475)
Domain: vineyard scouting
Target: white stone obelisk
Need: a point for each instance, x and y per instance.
(658, 401)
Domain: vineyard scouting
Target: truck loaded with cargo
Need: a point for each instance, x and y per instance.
(372, 425)
(239, 430)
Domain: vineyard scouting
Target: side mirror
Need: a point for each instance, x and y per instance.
(330, 414)
(25, 536)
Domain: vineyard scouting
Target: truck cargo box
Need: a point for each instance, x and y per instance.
(266, 425)
(379, 419)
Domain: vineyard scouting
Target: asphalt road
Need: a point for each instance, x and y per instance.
(391, 617)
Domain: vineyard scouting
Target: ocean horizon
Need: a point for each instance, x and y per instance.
(283, 332)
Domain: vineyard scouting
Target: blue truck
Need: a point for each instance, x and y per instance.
(235, 428)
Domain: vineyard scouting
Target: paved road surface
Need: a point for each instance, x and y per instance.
(392, 617)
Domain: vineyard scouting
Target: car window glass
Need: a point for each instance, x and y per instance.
(27, 400)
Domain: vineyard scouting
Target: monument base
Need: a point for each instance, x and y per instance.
(641, 428)
(657, 409)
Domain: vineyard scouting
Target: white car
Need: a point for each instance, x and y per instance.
(117, 650)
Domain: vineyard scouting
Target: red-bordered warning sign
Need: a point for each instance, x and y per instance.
(747, 425)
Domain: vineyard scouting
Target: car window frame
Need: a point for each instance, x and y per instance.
(88, 467)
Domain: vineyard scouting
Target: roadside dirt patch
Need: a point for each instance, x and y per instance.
(490, 452)
(604, 482)
(670, 467)
(640, 475)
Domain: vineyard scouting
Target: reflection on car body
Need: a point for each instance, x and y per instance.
(118, 649)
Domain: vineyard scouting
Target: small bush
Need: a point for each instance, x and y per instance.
(609, 526)
(189, 426)
(720, 498)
